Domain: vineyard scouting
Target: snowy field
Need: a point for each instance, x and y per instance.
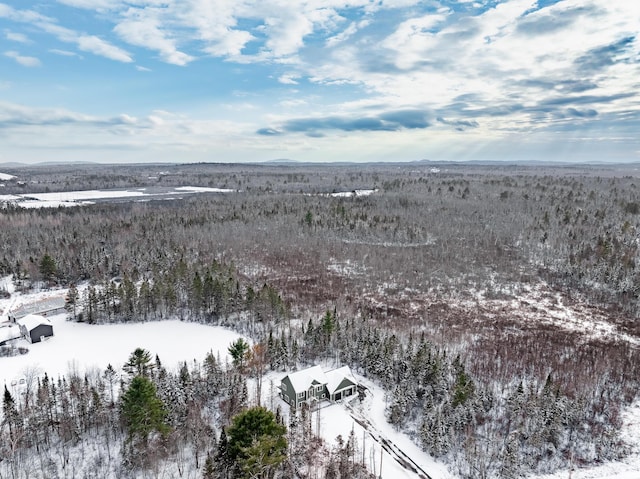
(81, 347)
(6, 177)
(75, 198)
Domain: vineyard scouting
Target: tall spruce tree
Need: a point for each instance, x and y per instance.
(142, 411)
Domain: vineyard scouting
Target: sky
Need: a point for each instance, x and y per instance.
(362, 80)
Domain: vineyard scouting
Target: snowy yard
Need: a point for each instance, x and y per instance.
(81, 347)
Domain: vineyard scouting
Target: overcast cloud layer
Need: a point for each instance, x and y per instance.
(253, 80)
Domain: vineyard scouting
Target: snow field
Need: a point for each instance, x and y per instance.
(80, 347)
(75, 198)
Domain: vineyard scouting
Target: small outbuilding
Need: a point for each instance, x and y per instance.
(35, 328)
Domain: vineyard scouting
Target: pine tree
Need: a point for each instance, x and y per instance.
(48, 268)
(142, 410)
(71, 302)
(209, 471)
(222, 460)
(238, 351)
(139, 363)
(11, 414)
(257, 442)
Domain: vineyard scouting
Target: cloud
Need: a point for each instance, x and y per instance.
(385, 121)
(14, 115)
(288, 79)
(23, 60)
(268, 132)
(588, 113)
(97, 46)
(546, 21)
(605, 56)
(64, 53)
(17, 37)
(459, 125)
(88, 43)
(145, 31)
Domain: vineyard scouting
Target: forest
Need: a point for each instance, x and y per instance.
(475, 295)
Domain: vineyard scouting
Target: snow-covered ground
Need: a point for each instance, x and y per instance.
(628, 468)
(540, 304)
(81, 347)
(350, 194)
(401, 457)
(75, 198)
(6, 177)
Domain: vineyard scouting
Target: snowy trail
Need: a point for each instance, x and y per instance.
(394, 451)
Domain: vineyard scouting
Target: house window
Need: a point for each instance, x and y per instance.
(323, 395)
(319, 388)
(301, 395)
(284, 387)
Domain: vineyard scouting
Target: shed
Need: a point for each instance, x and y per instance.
(35, 328)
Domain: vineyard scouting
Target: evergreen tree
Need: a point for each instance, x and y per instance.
(142, 411)
(257, 442)
(71, 302)
(139, 363)
(48, 268)
(11, 414)
(238, 350)
(222, 460)
(209, 471)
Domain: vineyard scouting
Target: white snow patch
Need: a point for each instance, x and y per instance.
(6, 177)
(347, 269)
(75, 198)
(351, 194)
(202, 189)
(82, 347)
(539, 303)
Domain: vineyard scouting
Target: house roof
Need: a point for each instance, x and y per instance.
(9, 332)
(303, 379)
(336, 376)
(32, 321)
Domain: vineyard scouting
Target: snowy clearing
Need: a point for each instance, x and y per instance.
(350, 194)
(538, 303)
(6, 177)
(81, 347)
(75, 198)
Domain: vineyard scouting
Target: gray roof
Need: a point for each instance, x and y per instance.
(32, 321)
